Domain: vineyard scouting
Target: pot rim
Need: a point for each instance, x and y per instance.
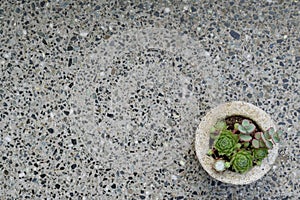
(234, 108)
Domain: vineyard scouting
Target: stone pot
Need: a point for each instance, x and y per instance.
(261, 118)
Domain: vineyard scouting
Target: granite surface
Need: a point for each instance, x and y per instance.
(101, 100)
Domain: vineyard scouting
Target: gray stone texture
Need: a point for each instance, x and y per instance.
(101, 100)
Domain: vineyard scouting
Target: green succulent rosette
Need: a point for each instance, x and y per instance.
(260, 154)
(226, 143)
(242, 161)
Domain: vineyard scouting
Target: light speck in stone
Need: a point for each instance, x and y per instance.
(174, 177)
(182, 163)
(8, 139)
(84, 33)
(167, 10)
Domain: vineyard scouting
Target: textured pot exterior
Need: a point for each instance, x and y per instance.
(262, 119)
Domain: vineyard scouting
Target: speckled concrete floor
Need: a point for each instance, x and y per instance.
(102, 100)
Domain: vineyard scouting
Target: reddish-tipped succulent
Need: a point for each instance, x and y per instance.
(266, 139)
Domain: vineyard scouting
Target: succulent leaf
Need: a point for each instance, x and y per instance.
(251, 128)
(276, 136)
(236, 126)
(214, 135)
(212, 129)
(262, 143)
(246, 144)
(269, 144)
(242, 161)
(242, 129)
(260, 154)
(220, 126)
(255, 143)
(257, 135)
(246, 127)
(210, 152)
(227, 164)
(245, 122)
(267, 135)
(258, 163)
(245, 138)
(271, 131)
(263, 137)
(276, 139)
(226, 143)
(217, 128)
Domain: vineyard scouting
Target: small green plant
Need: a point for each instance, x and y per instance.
(266, 139)
(246, 128)
(226, 143)
(216, 129)
(241, 147)
(242, 161)
(259, 155)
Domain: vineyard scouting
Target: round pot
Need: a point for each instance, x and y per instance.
(235, 108)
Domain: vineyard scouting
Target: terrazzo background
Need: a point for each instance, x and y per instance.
(101, 100)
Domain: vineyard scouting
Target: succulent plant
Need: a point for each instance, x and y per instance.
(241, 148)
(221, 165)
(216, 129)
(259, 155)
(210, 152)
(266, 139)
(242, 161)
(236, 126)
(270, 137)
(226, 143)
(257, 140)
(220, 126)
(246, 128)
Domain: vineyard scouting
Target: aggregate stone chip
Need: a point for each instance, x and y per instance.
(101, 100)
